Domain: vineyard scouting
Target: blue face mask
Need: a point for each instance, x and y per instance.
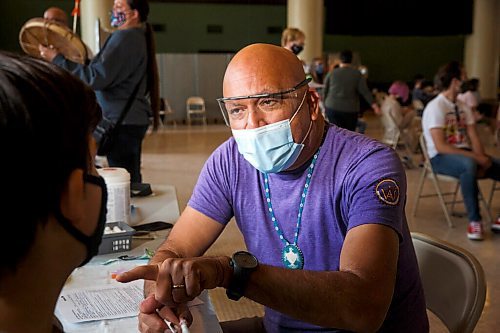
(117, 19)
(270, 148)
(319, 69)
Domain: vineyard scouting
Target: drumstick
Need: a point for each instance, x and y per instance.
(75, 13)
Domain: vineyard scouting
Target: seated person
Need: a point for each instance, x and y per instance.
(55, 209)
(397, 116)
(454, 146)
(423, 91)
(321, 210)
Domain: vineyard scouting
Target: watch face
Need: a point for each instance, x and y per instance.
(245, 260)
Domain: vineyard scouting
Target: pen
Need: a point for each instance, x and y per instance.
(170, 326)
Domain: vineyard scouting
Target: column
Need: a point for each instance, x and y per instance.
(90, 11)
(308, 16)
(482, 47)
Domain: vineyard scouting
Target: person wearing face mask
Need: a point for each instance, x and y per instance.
(54, 214)
(310, 199)
(398, 117)
(454, 147)
(125, 62)
(293, 39)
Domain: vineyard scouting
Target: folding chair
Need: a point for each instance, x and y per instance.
(495, 186)
(165, 111)
(428, 172)
(394, 137)
(195, 106)
(453, 281)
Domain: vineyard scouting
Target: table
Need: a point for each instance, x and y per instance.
(162, 206)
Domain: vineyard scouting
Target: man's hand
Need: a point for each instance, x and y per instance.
(484, 161)
(179, 280)
(47, 53)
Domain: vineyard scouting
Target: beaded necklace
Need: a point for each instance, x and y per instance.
(291, 255)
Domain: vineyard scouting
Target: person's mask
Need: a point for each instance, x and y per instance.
(296, 49)
(93, 241)
(117, 19)
(270, 148)
(319, 68)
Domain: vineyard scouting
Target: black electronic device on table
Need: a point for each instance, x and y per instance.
(153, 226)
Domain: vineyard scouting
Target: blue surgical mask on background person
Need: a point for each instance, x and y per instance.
(319, 68)
(117, 19)
(93, 241)
(270, 148)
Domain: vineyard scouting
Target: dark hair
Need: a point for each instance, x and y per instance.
(474, 84)
(446, 73)
(346, 56)
(153, 81)
(46, 119)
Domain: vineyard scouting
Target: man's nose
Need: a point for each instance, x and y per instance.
(254, 118)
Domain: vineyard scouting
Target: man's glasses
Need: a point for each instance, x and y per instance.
(236, 109)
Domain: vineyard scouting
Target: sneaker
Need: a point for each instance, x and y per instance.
(475, 231)
(495, 226)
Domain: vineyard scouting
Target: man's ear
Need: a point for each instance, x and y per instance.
(313, 102)
(72, 196)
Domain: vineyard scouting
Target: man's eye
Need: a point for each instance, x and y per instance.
(269, 103)
(235, 111)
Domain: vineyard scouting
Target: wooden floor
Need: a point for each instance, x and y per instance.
(176, 155)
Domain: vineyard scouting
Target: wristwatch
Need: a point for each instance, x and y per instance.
(243, 263)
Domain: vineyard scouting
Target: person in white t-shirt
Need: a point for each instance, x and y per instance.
(454, 147)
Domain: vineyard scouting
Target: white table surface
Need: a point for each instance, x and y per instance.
(162, 206)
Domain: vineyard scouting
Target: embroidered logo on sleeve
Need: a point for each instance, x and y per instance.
(387, 191)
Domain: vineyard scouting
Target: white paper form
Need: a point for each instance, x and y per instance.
(98, 303)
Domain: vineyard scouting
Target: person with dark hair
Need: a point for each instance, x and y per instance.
(126, 60)
(321, 210)
(422, 91)
(454, 146)
(342, 91)
(53, 215)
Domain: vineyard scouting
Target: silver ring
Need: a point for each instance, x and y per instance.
(178, 286)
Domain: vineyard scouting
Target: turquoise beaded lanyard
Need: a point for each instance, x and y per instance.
(291, 255)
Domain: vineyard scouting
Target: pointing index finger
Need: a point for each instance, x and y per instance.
(146, 272)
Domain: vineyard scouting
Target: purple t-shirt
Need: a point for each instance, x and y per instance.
(356, 181)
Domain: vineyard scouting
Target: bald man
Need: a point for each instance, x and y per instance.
(321, 210)
(56, 14)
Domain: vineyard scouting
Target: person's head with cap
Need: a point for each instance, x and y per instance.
(265, 87)
(400, 90)
(56, 14)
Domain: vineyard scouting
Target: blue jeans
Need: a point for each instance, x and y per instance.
(127, 149)
(465, 169)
